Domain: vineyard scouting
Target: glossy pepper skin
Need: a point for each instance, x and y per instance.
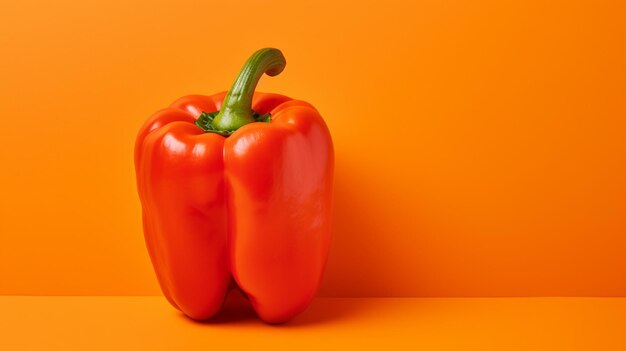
(249, 201)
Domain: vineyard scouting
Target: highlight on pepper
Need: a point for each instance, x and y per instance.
(236, 193)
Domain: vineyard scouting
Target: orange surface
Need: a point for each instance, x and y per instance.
(479, 144)
(138, 323)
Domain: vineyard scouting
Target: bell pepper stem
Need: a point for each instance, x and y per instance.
(236, 108)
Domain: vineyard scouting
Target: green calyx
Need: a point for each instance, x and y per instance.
(205, 122)
(237, 105)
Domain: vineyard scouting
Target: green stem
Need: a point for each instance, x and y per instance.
(237, 105)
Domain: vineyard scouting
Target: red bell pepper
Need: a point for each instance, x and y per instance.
(237, 185)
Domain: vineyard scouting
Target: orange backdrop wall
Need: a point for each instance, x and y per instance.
(480, 145)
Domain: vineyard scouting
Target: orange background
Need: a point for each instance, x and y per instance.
(480, 145)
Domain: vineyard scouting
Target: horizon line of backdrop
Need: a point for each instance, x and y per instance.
(480, 145)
